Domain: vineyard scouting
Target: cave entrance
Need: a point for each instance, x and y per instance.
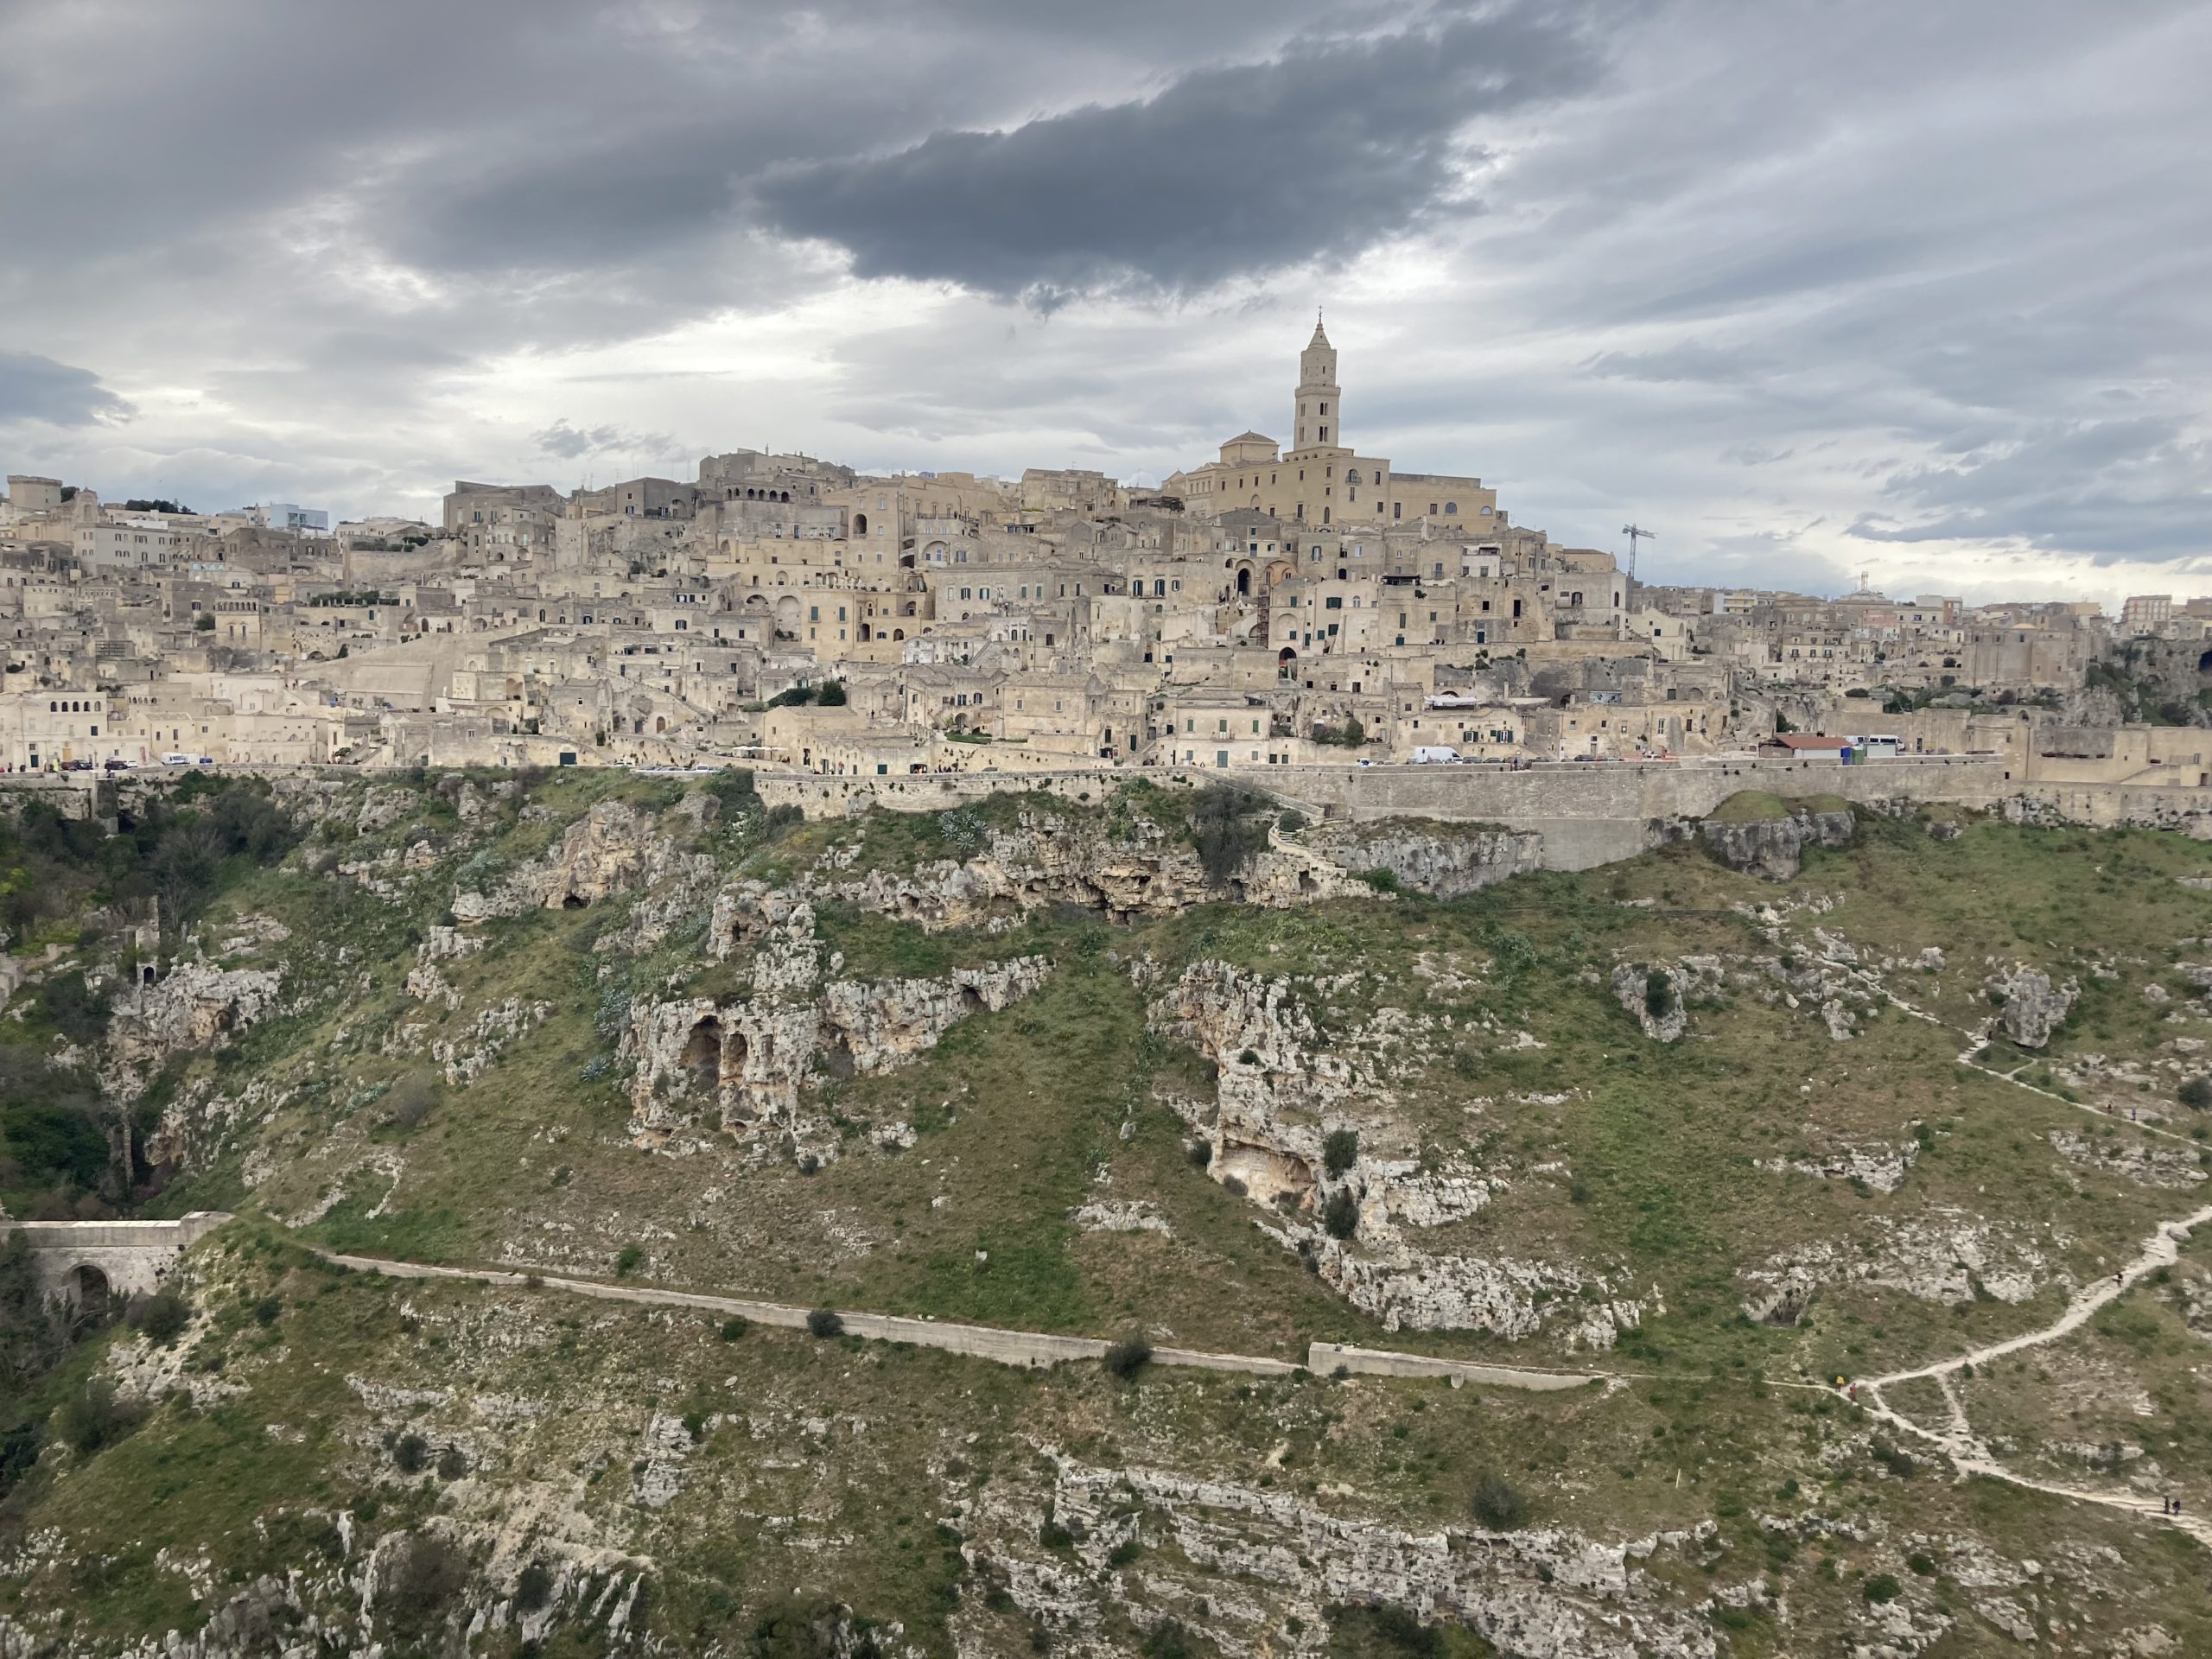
(574, 901)
(703, 1054)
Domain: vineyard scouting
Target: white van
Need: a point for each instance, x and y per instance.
(1430, 754)
(180, 760)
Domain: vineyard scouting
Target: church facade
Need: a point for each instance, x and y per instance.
(1320, 481)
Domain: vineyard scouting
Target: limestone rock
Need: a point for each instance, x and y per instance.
(1658, 994)
(614, 847)
(2034, 1007)
(1774, 848)
(1443, 860)
(196, 1006)
(741, 1064)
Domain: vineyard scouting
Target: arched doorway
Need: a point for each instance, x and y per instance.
(1244, 583)
(88, 1289)
(859, 523)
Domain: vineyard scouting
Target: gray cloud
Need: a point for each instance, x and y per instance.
(567, 443)
(1314, 155)
(34, 388)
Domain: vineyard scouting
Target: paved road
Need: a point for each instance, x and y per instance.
(1023, 1348)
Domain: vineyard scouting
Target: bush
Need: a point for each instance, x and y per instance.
(73, 1008)
(1341, 1214)
(533, 1586)
(832, 695)
(1658, 992)
(94, 1417)
(1126, 1358)
(1883, 1586)
(1498, 1506)
(160, 1317)
(1201, 1153)
(826, 1322)
(1340, 1151)
(628, 1260)
(409, 1102)
(1291, 821)
(2196, 1093)
(453, 1464)
(411, 1453)
(425, 1575)
(733, 1328)
(268, 1310)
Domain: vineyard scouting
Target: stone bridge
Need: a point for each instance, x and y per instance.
(86, 1263)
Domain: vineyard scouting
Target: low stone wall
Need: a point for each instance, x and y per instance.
(130, 1258)
(1327, 1358)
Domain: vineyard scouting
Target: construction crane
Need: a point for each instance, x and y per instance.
(1635, 535)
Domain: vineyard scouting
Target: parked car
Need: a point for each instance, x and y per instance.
(116, 764)
(175, 760)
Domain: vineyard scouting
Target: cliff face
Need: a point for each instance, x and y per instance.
(1441, 861)
(1774, 848)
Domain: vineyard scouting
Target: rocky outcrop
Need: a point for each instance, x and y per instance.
(1282, 1086)
(740, 1064)
(1659, 993)
(196, 1006)
(1774, 848)
(1443, 860)
(1049, 859)
(614, 847)
(2032, 1008)
(1539, 1592)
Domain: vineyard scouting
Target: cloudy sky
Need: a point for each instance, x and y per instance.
(1920, 289)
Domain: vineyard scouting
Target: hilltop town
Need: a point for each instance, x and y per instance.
(1274, 606)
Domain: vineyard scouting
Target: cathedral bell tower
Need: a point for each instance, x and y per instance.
(1315, 419)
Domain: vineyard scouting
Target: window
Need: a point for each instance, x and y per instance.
(1450, 509)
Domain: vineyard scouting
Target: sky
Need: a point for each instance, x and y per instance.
(1920, 291)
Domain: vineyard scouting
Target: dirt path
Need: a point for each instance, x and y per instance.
(1958, 1441)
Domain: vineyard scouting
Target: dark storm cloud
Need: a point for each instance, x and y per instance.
(34, 388)
(1228, 171)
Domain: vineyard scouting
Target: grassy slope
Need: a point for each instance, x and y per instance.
(1019, 1115)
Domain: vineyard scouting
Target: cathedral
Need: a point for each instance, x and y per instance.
(1320, 479)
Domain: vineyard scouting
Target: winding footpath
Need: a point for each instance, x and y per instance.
(1958, 1442)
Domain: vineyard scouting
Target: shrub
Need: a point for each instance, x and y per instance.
(832, 695)
(409, 1102)
(453, 1464)
(160, 1317)
(1341, 1215)
(2196, 1093)
(1202, 1152)
(733, 1328)
(1658, 992)
(628, 1260)
(268, 1310)
(1922, 1564)
(1883, 1586)
(94, 1417)
(1126, 1358)
(1290, 821)
(533, 1586)
(1340, 1151)
(826, 1322)
(1498, 1506)
(425, 1575)
(1123, 1553)
(1381, 880)
(411, 1453)
(1225, 832)
(1234, 1187)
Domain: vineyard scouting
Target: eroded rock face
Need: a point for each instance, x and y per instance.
(740, 1064)
(1540, 1593)
(613, 849)
(1282, 1086)
(1441, 861)
(1774, 848)
(1047, 859)
(2034, 1007)
(196, 1006)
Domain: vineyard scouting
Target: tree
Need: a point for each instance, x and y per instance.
(204, 623)
(831, 696)
(2196, 1093)
(826, 1322)
(160, 1317)
(1341, 1214)
(1125, 1358)
(1340, 1151)
(1226, 831)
